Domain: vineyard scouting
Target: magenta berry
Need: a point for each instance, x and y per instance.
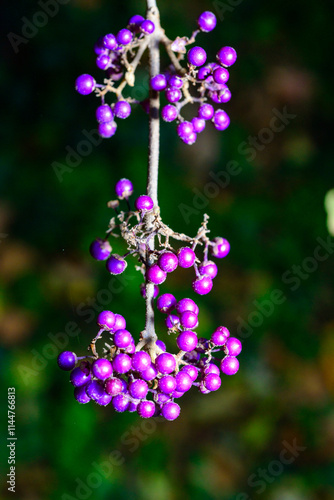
(227, 56)
(172, 321)
(212, 382)
(158, 82)
(103, 61)
(146, 409)
(80, 394)
(121, 363)
(156, 275)
(124, 188)
(206, 111)
(122, 339)
(138, 389)
(220, 337)
(198, 124)
(209, 268)
(141, 361)
(107, 130)
(186, 257)
(166, 303)
(79, 377)
(168, 262)
(221, 75)
(229, 365)
(113, 386)
(220, 248)
(197, 56)
(120, 323)
(185, 130)
(165, 363)
(207, 21)
(187, 305)
(144, 203)
(104, 114)
(106, 319)
(102, 368)
(175, 81)
(124, 37)
(173, 95)
(85, 84)
(169, 113)
(120, 403)
(109, 41)
(183, 381)
(167, 384)
(190, 370)
(67, 360)
(187, 341)
(202, 285)
(122, 109)
(147, 27)
(221, 120)
(100, 249)
(116, 264)
(149, 374)
(170, 410)
(233, 346)
(188, 319)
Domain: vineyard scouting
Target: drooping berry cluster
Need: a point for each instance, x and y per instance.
(197, 82)
(136, 374)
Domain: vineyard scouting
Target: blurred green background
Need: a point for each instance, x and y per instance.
(227, 445)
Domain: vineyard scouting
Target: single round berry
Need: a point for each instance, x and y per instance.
(198, 124)
(158, 82)
(197, 56)
(104, 400)
(161, 398)
(202, 285)
(67, 360)
(187, 305)
(206, 111)
(233, 346)
(107, 130)
(122, 339)
(144, 202)
(138, 389)
(187, 341)
(124, 37)
(172, 321)
(183, 381)
(113, 386)
(104, 114)
(173, 95)
(175, 81)
(229, 365)
(211, 368)
(168, 262)
(185, 129)
(85, 84)
(190, 370)
(227, 56)
(221, 75)
(149, 374)
(141, 360)
(109, 41)
(186, 257)
(94, 390)
(116, 264)
(80, 394)
(146, 409)
(143, 290)
(207, 21)
(103, 61)
(100, 249)
(166, 303)
(120, 403)
(122, 109)
(155, 274)
(190, 139)
(167, 384)
(219, 337)
(147, 27)
(120, 323)
(135, 22)
(165, 363)
(121, 363)
(220, 248)
(169, 113)
(209, 268)
(102, 368)
(212, 382)
(106, 319)
(189, 319)
(221, 120)
(124, 188)
(170, 410)
(79, 377)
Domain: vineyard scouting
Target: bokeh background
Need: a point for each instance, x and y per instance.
(226, 445)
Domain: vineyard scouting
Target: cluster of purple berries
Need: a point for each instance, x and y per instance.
(167, 261)
(132, 381)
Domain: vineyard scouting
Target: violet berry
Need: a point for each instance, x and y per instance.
(220, 248)
(227, 56)
(124, 36)
(168, 262)
(138, 389)
(167, 384)
(80, 394)
(197, 56)
(206, 111)
(209, 268)
(121, 363)
(103, 61)
(158, 82)
(221, 75)
(113, 386)
(67, 360)
(141, 360)
(106, 319)
(122, 339)
(207, 21)
(120, 323)
(85, 84)
(79, 377)
(219, 337)
(166, 303)
(187, 341)
(94, 390)
(147, 27)
(102, 368)
(183, 381)
(170, 410)
(190, 370)
(109, 41)
(104, 400)
(175, 81)
(185, 130)
(107, 130)
(155, 274)
(198, 124)
(135, 22)
(100, 249)
(104, 114)
(161, 345)
(188, 319)
(120, 403)
(173, 95)
(229, 365)
(165, 363)
(212, 382)
(122, 109)
(187, 305)
(221, 120)
(144, 203)
(172, 321)
(202, 285)
(116, 264)
(149, 374)
(169, 113)
(146, 409)
(186, 257)
(123, 188)
(233, 346)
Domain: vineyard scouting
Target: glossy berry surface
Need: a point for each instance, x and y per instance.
(207, 21)
(124, 37)
(186, 257)
(227, 56)
(187, 305)
(158, 82)
(155, 274)
(122, 109)
(170, 410)
(147, 27)
(123, 188)
(104, 113)
(100, 249)
(146, 409)
(209, 268)
(189, 319)
(116, 264)
(229, 365)
(221, 248)
(102, 368)
(144, 202)
(107, 129)
(197, 56)
(233, 346)
(106, 319)
(165, 363)
(166, 303)
(168, 262)
(85, 84)
(187, 341)
(67, 360)
(169, 113)
(202, 285)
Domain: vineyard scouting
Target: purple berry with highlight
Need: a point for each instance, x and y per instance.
(186, 257)
(124, 188)
(124, 37)
(158, 82)
(187, 341)
(207, 21)
(100, 249)
(165, 363)
(85, 84)
(80, 394)
(209, 268)
(166, 303)
(104, 114)
(121, 363)
(188, 319)
(233, 346)
(106, 319)
(202, 285)
(187, 305)
(138, 389)
(122, 109)
(67, 360)
(156, 275)
(113, 386)
(212, 382)
(183, 381)
(116, 264)
(122, 339)
(141, 361)
(109, 41)
(102, 368)
(146, 409)
(170, 410)
(197, 56)
(229, 365)
(107, 130)
(120, 403)
(169, 113)
(144, 203)
(147, 27)
(206, 111)
(167, 384)
(168, 262)
(79, 377)
(220, 248)
(227, 56)
(198, 124)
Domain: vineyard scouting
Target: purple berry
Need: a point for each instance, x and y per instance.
(202, 285)
(186, 257)
(204, 72)
(122, 339)
(221, 75)
(124, 188)
(106, 319)
(116, 264)
(121, 363)
(227, 56)
(100, 249)
(187, 305)
(104, 400)
(166, 303)
(190, 139)
(104, 114)
(147, 27)
(149, 374)
(135, 22)
(132, 407)
(103, 61)
(124, 37)
(221, 120)
(212, 382)
(146, 409)
(169, 113)
(173, 95)
(220, 248)
(167, 384)
(120, 403)
(191, 370)
(158, 82)
(207, 21)
(206, 111)
(141, 360)
(220, 337)
(122, 109)
(172, 321)
(131, 349)
(165, 363)
(155, 274)
(120, 323)
(183, 381)
(113, 386)
(80, 394)
(94, 390)
(175, 81)
(102, 368)
(170, 411)
(233, 346)
(109, 41)
(211, 368)
(168, 262)
(229, 365)
(198, 124)
(107, 130)
(144, 202)
(197, 56)
(161, 345)
(67, 360)
(185, 129)
(209, 268)
(78, 377)
(85, 84)
(138, 389)
(189, 319)
(187, 341)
